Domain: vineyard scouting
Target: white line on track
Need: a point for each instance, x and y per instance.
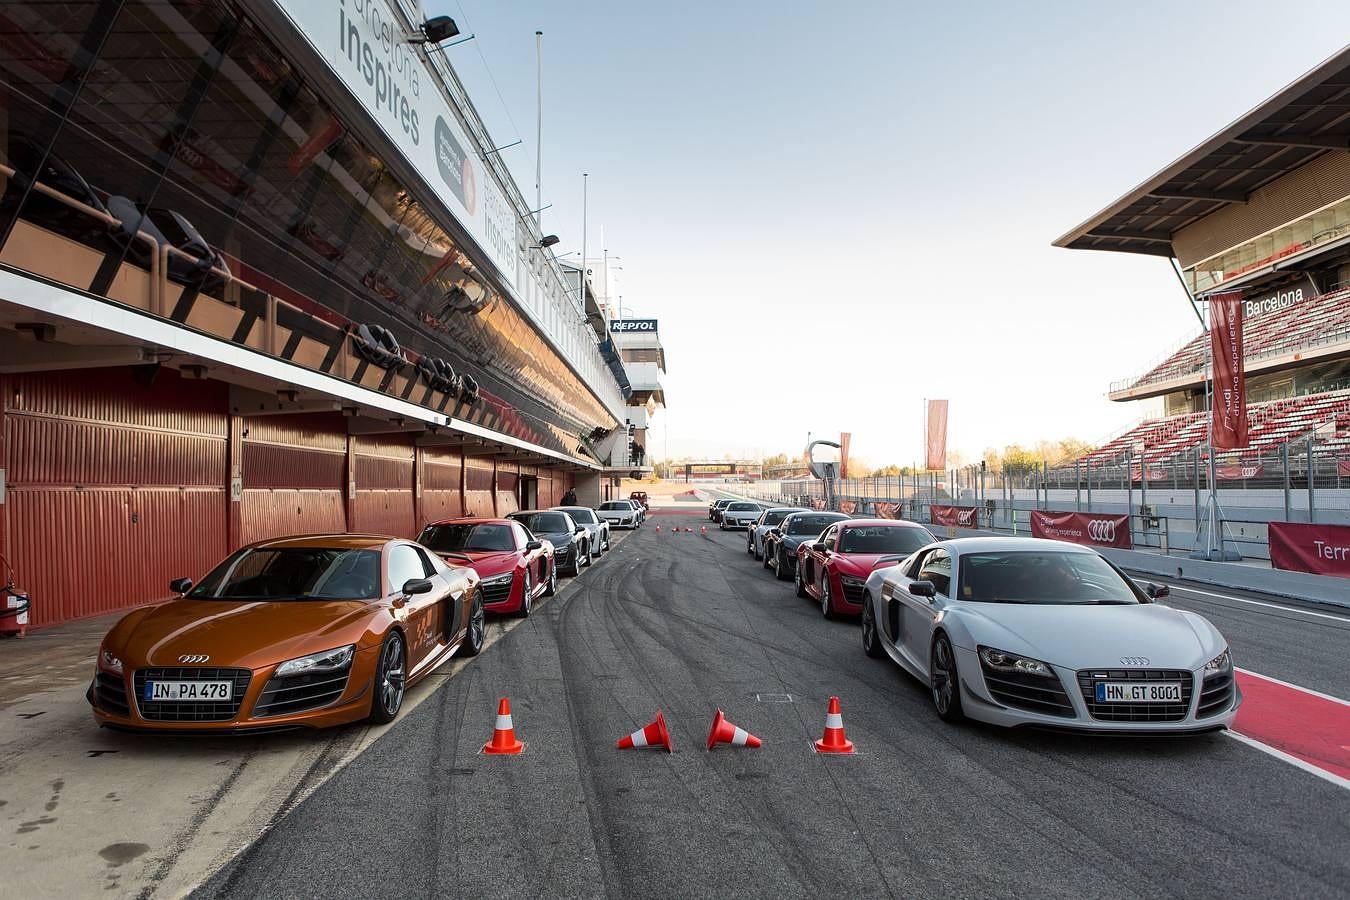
(1293, 687)
(1292, 609)
(1294, 761)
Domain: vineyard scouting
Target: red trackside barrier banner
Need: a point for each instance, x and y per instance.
(887, 510)
(959, 516)
(1343, 468)
(1319, 549)
(1240, 472)
(1092, 529)
(848, 507)
(1229, 415)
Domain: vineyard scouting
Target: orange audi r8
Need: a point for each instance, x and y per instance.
(295, 632)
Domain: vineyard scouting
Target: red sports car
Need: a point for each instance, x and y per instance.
(515, 568)
(833, 568)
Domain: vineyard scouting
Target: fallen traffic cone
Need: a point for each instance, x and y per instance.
(834, 740)
(723, 732)
(504, 735)
(653, 735)
(689, 529)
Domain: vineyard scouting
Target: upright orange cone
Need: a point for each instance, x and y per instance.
(723, 732)
(653, 735)
(658, 529)
(703, 529)
(504, 734)
(834, 740)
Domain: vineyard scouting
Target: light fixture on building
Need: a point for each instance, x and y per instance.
(547, 240)
(435, 30)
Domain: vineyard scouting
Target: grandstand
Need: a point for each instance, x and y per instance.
(1263, 208)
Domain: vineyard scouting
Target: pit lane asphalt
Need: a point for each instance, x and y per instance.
(685, 624)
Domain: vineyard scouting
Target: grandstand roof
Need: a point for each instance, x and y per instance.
(1307, 119)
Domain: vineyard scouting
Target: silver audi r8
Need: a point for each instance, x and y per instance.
(1023, 631)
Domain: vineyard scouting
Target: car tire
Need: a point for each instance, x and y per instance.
(526, 595)
(798, 586)
(587, 557)
(575, 568)
(607, 546)
(390, 681)
(476, 634)
(871, 640)
(766, 557)
(826, 601)
(781, 570)
(552, 587)
(944, 680)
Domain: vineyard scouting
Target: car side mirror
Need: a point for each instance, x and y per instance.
(1156, 591)
(416, 586)
(818, 546)
(180, 585)
(581, 529)
(534, 545)
(923, 589)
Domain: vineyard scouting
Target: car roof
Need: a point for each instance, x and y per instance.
(820, 512)
(327, 541)
(471, 520)
(529, 512)
(787, 509)
(899, 523)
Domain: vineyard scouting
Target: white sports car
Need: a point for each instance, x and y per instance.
(1023, 631)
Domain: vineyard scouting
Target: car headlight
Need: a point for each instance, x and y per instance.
(498, 579)
(326, 661)
(109, 663)
(851, 581)
(1221, 663)
(1003, 661)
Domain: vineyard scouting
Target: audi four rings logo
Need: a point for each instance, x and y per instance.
(193, 658)
(1134, 660)
(1103, 530)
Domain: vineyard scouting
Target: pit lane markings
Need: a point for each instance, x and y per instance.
(1292, 609)
(1305, 728)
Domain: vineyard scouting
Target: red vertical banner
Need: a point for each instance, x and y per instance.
(1229, 405)
(936, 455)
(844, 439)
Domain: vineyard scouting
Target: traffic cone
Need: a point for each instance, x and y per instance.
(653, 735)
(703, 530)
(834, 740)
(504, 735)
(658, 529)
(723, 732)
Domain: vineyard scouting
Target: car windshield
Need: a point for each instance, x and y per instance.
(617, 505)
(465, 536)
(810, 524)
(721, 503)
(883, 539)
(1042, 577)
(581, 515)
(293, 573)
(743, 507)
(544, 522)
(774, 517)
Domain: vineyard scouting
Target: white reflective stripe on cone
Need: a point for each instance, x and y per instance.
(834, 720)
(738, 739)
(639, 738)
(503, 723)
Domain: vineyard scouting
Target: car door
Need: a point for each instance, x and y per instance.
(417, 612)
(816, 560)
(892, 619)
(454, 605)
(919, 613)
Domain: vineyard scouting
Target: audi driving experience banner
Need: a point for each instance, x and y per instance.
(1092, 529)
(1319, 549)
(1229, 428)
(958, 516)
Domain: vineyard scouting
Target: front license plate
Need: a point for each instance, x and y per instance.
(1138, 692)
(189, 690)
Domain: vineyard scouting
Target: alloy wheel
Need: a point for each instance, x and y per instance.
(392, 679)
(943, 684)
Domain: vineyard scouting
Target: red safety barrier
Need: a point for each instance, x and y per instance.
(1092, 529)
(1319, 549)
(958, 516)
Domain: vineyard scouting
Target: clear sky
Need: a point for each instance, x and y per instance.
(839, 209)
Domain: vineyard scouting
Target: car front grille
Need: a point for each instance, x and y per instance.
(1135, 712)
(191, 711)
(110, 693)
(1216, 695)
(298, 693)
(1024, 690)
(853, 589)
(496, 593)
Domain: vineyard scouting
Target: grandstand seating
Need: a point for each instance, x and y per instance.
(1268, 426)
(1319, 320)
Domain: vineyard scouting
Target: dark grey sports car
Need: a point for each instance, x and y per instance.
(780, 544)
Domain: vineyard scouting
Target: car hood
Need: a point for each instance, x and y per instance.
(241, 634)
(864, 563)
(1079, 637)
(793, 541)
(485, 562)
(556, 539)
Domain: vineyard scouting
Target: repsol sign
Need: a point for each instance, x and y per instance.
(1271, 301)
(620, 326)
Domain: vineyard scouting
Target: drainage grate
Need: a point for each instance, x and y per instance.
(774, 698)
